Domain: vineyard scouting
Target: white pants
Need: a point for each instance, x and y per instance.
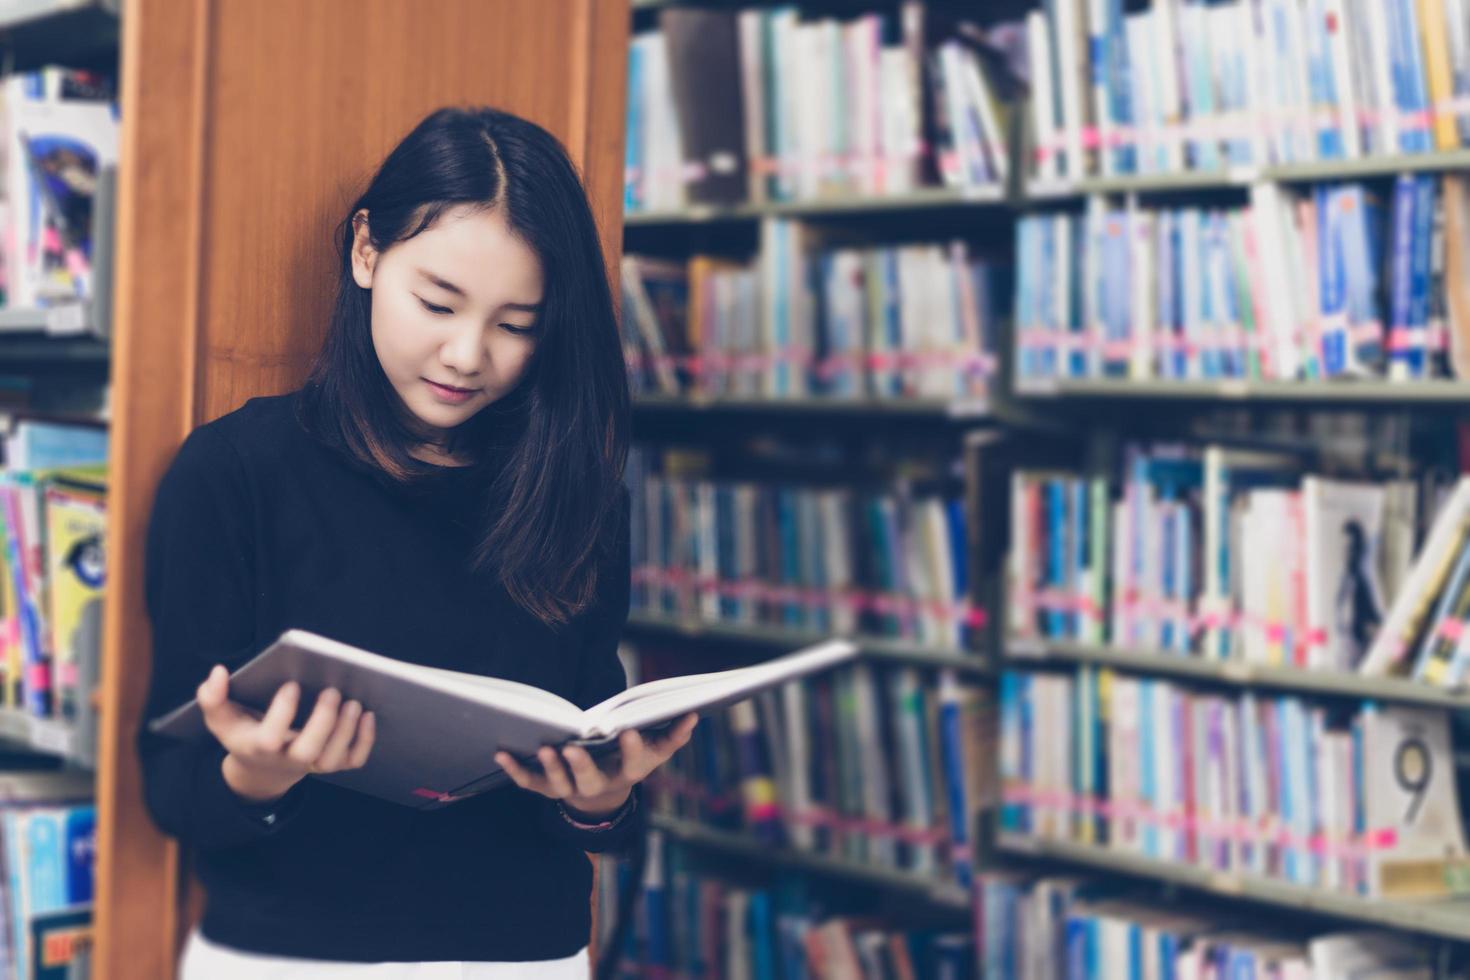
(204, 960)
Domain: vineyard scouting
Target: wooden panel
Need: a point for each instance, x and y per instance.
(315, 98)
(154, 307)
(249, 127)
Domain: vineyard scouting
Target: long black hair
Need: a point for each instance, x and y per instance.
(560, 438)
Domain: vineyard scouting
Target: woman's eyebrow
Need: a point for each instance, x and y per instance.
(444, 284)
(448, 286)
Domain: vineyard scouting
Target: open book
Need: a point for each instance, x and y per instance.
(438, 730)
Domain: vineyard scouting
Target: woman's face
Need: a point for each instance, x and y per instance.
(454, 313)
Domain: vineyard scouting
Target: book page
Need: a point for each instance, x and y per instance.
(670, 697)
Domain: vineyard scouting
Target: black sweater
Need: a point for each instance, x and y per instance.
(257, 527)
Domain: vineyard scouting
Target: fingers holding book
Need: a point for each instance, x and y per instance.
(641, 757)
(266, 756)
(575, 778)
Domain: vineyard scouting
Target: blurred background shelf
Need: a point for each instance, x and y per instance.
(1445, 918)
(1031, 653)
(42, 734)
(1360, 392)
(40, 350)
(917, 202)
(921, 409)
(776, 638)
(744, 846)
(1241, 177)
(77, 33)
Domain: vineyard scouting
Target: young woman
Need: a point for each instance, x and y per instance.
(444, 489)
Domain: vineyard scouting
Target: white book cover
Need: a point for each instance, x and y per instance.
(1251, 36)
(72, 141)
(1123, 763)
(1021, 611)
(1338, 27)
(789, 136)
(1345, 604)
(1166, 794)
(753, 93)
(918, 571)
(1370, 955)
(939, 559)
(1070, 28)
(1138, 30)
(1298, 67)
(808, 69)
(1169, 106)
(938, 371)
(867, 100)
(794, 707)
(1269, 220)
(1390, 648)
(1097, 43)
(1412, 803)
(982, 98)
(1044, 126)
(1380, 39)
(896, 131)
(876, 780)
(1233, 766)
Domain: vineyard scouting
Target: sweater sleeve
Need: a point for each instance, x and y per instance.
(599, 677)
(198, 587)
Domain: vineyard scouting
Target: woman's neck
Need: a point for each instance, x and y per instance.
(436, 455)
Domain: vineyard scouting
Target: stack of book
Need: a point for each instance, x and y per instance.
(1213, 552)
(53, 491)
(912, 321)
(1249, 83)
(692, 924)
(1342, 280)
(1240, 555)
(1251, 784)
(1087, 929)
(874, 766)
(48, 847)
(824, 559)
(770, 105)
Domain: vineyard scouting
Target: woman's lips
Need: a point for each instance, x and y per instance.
(449, 394)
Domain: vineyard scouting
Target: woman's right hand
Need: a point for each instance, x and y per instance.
(266, 757)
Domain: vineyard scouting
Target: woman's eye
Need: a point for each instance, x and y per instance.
(519, 330)
(432, 308)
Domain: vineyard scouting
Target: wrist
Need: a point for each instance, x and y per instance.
(249, 787)
(597, 810)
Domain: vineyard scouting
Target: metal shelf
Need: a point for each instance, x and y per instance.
(1343, 392)
(70, 320)
(1446, 918)
(788, 639)
(938, 893)
(69, 32)
(1383, 166)
(1242, 176)
(17, 349)
(814, 406)
(925, 199)
(1021, 653)
(41, 734)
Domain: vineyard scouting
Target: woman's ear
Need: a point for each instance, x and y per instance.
(364, 255)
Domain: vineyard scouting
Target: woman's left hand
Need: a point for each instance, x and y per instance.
(574, 778)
